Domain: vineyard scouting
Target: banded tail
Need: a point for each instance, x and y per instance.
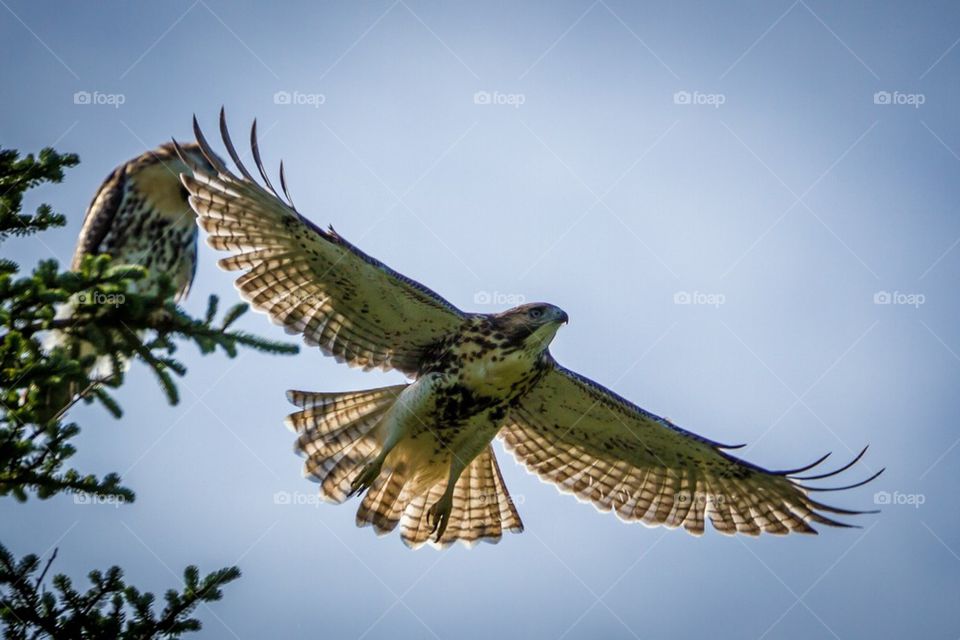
(339, 433)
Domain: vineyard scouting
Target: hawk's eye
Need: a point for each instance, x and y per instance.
(535, 314)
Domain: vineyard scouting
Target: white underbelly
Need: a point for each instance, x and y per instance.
(422, 445)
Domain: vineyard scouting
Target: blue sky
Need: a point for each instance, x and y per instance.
(787, 167)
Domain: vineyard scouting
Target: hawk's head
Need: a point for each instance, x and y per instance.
(532, 325)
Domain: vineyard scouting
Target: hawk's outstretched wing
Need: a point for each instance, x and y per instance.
(604, 449)
(309, 280)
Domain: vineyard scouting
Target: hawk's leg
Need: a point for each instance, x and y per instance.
(367, 476)
(439, 513)
(372, 469)
(479, 434)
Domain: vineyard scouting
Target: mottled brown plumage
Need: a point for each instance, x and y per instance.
(140, 215)
(420, 453)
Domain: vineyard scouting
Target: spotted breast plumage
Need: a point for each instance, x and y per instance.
(420, 453)
(140, 216)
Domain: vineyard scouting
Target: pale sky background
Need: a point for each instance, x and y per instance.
(794, 202)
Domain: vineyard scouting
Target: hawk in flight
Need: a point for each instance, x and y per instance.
(420, 453)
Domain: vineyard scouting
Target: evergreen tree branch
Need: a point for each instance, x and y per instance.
(55, 326)
(110, 608)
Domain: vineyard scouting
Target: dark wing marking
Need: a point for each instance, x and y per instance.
(604, 449)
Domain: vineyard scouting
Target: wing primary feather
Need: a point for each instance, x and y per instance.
(790, 472)
(182, 154)
(841, 511)
(206, 149)
(849, 486)
(830, 522)
(730, 447)
(836, 471)
(255, 147)
(283, 185)
(228, 142)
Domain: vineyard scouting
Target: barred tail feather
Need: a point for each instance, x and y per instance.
(482, 508)
(337, 434)
(383, 505)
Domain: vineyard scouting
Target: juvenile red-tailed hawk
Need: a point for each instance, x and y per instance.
(421, 452)
(139, 216)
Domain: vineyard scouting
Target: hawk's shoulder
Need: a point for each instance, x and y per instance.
(101, 214)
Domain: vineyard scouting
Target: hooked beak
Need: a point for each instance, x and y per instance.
(563, 318)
